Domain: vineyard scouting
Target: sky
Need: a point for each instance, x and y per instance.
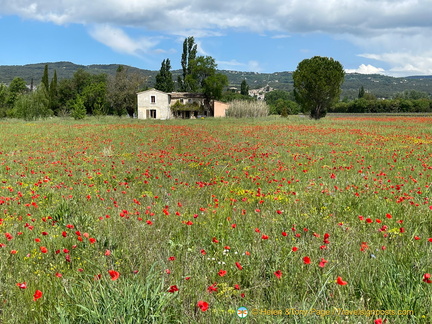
(391, 37)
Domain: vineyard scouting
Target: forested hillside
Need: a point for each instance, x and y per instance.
(379, 85)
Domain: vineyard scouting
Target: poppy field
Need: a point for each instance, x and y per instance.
(117, 220)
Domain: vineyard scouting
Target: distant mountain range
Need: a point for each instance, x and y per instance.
(380, 85)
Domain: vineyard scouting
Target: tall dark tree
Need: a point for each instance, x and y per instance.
(53, 93)
(188, 55)
(317, 84)
(244, 88)
(361, 92)
(164, 81)
(45, 79)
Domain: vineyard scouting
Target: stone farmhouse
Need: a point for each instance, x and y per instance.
(155, 104)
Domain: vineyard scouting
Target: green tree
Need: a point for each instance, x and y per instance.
(164, 81)
(188, 55)
(33, 105)
(78, 108)
(317, 84)
(45, 79)
(4, 91)
(53, 94)
(361, 92)
(122, 89)
(16, 88)
(214, 85)
(202, 68)
(244, 88)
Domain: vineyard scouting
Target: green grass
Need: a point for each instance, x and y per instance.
(127, 195)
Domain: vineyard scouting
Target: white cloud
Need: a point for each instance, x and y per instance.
(405, 63)
(119, 41)
(281, 36)
(366, 69)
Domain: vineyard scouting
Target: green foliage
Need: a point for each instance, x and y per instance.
(361, 92)
(122, 91)
(317, 84)
(188, 56)
(4, 92)
(78, 108)
(164, 79)
(229, 96)
(53, 94)
(32, 106)
(400, 105)
(16, 88)
(244, 88)
(213, 86)
(45, 80)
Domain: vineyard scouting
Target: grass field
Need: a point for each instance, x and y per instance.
(124, 221)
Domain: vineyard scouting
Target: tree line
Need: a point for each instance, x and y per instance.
(83, 94)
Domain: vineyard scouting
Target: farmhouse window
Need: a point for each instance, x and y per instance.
(153, 99)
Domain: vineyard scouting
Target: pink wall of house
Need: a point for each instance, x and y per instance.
(219, 108)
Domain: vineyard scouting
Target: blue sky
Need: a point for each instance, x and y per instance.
(366, 36)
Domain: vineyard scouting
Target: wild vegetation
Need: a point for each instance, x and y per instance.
(184, 221)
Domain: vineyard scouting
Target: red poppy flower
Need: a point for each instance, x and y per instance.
(173, 289)
(22, 285)
(339, 281)
(264, 237)
(427, 278)
(203, 252)
(202, 305)
(294, 249)
(278, 274)
(236, 287)
(306, 260)
(114, 274)
(171, 258)
(212, 288)
(322, 263)
(37, 295)
(215, 240)
(378, 321)
(284, 234)
(43, 249)
(239, 266)
(222, 273)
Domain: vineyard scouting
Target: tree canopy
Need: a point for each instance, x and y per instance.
(317, 84)
(164, 81)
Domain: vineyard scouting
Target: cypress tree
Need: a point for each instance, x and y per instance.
(45, 80)
(164, 80)
(53, 96)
